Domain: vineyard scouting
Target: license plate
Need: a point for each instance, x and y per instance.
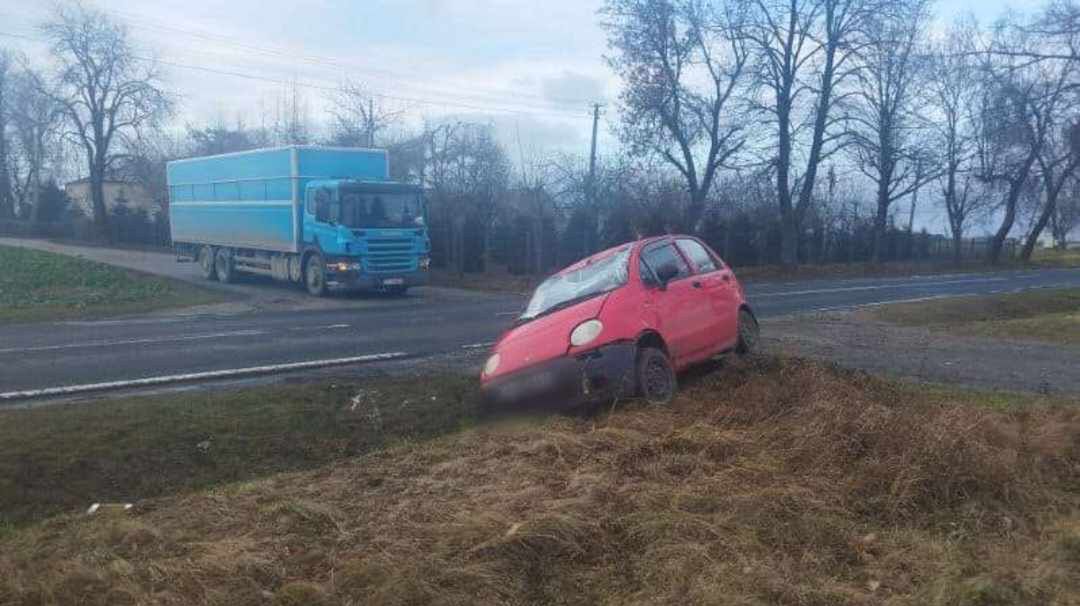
(393, 281)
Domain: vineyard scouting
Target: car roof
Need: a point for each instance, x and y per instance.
(635, 244)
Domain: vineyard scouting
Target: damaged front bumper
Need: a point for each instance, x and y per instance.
(599, 374)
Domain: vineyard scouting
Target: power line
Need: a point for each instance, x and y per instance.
(309, 85)
(331, 61)
(288, 54)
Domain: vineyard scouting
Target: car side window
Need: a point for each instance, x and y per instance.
(660, 257)
(697, 253)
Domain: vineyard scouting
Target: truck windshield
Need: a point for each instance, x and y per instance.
(376, 209)
(578, 284)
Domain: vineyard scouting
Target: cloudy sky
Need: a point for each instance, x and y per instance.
(531, 67)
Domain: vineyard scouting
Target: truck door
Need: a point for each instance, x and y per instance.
(319, 219)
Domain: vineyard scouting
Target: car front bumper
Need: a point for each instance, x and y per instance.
(600, 374)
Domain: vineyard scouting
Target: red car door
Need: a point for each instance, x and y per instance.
(718, 284)
(683, 313)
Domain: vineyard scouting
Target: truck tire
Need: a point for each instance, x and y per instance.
(223, 264)
(656, 378)
(206, 263)
(315, 275)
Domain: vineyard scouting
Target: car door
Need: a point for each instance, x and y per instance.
(684, 316)
(717, 283)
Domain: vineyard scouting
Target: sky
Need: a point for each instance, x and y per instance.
(532, 68)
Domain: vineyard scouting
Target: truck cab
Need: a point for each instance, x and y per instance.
(370, 234)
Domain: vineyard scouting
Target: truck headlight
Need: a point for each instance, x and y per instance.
(586, 332)
(425, 262)
(492, 364)
(343, 266)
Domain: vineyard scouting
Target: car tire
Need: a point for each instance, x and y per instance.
(206, 263)
(315, 275)
(656, 380)
(223, 266)
(749, 333)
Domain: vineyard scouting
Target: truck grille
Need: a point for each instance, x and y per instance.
(390, 255)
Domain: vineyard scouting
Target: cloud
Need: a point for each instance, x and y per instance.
(572, 85)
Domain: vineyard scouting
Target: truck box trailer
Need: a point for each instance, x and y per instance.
(328, 218)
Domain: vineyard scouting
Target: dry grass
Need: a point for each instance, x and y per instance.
(1041, 315)
(772, 482)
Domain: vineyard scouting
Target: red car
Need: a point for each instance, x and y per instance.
(621, 322)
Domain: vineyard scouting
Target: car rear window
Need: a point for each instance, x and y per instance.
(697, 253)
(665, 254)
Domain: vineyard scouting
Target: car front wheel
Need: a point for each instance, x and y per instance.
(655, 376)
(749, 333)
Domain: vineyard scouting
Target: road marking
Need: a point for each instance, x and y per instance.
(822, 291)
(144, 341)
(478, 345)
(326, 327)
(196, 376)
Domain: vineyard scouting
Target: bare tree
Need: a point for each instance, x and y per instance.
(887, 129)
(954, 85)
(357, 119)
(804, 50)
(107, 91)
(1066, 217)
(292, 117)
(468, 174)
(1018, 110)
(7, 198)
(661, 49)
(37, 118)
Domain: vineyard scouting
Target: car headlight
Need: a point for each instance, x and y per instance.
(492, 364)
(586, 332)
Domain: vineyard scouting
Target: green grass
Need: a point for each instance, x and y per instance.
(63, 458)
(37, 286)
(1041, 315)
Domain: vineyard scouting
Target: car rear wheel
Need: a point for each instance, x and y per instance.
(749, 333)
(315, 275)
(206, 263)
(655, 376)
(223, 264)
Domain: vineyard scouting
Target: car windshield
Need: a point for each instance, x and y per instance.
(564, 289)
(376, 209)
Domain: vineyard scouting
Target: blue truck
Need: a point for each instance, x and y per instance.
(327, 218)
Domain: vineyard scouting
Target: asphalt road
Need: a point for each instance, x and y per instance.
(48, 356)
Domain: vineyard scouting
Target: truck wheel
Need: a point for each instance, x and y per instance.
(749, 333)
(655, 376)
(223, 263)
(315, 275)
(206, 263)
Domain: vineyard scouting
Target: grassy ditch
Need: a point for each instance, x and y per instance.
(1042, 315)
(770, 482)
(36, 286)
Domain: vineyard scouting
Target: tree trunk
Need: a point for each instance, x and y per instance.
(880, 219)
(788, 228)
(1016, 186)
(958, 247)
(97, 200)
(1044, 218)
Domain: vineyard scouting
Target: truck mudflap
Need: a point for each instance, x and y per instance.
(600, 374)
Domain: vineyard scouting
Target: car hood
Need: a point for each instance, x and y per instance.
(544, 338)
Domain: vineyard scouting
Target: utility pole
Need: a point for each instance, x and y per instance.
(591, 191)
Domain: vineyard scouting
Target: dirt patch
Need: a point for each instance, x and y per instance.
(933, 354)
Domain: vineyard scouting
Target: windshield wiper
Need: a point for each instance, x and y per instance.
(561, 305)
